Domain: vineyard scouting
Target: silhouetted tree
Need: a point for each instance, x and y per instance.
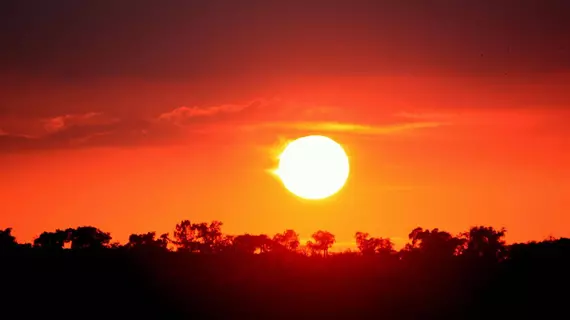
(485, 242)
(185, 286)
(88, 238)
(323, 240)
(115, 245)
(199, 237)
(369, 246)
(53, 240)
(550, 249)
(224, 244)
(244, 243)
(308, 249)
(434, 243)
(208, 235)
(250, 244)
(185, 237)
(7, 240)
(288, 240)
(147, 241)
(264, 243)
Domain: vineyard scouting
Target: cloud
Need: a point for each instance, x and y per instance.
(184, 124)
(183, 116)
(65, 121)
(94, 129)
(351, 127)
(68, 131)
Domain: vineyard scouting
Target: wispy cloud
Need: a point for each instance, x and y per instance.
(193, 112)
(185, 115)
(180, 124)
(62, 122)
(74, 130)
(351, 127)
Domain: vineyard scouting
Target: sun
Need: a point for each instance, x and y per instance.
(313, 167)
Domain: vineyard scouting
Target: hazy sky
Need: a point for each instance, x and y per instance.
(132, 115)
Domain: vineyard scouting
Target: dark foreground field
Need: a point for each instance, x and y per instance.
(114, 284)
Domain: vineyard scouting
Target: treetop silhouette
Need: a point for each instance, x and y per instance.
(479, 242)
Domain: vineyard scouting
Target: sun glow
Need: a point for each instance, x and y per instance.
(313, 167)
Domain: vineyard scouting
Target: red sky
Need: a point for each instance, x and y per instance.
(133, 117)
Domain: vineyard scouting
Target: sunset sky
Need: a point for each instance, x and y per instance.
(133, 115)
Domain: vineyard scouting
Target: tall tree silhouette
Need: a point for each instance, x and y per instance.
(53, 240)
(323, 241)
(434, 243)
(7, 240)
(198, 237)
(245, 243)
(369, 246)
(288, 240)
(485, 242)
(264, 243)
(208, 235)
(185, 237)
(148, 241)
(250, 244)
(88, 238)
(224, 244)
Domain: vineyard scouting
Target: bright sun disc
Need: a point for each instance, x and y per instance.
(313, 167)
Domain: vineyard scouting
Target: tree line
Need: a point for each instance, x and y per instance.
(481, 242)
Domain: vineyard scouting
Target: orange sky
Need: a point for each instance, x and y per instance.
(415, 162)
(452, 115)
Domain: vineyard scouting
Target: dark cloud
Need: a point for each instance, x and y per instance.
(120, 132)
(184, 116)
(185, 124)
(61, 123)
(195, 39)
(96, 129)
